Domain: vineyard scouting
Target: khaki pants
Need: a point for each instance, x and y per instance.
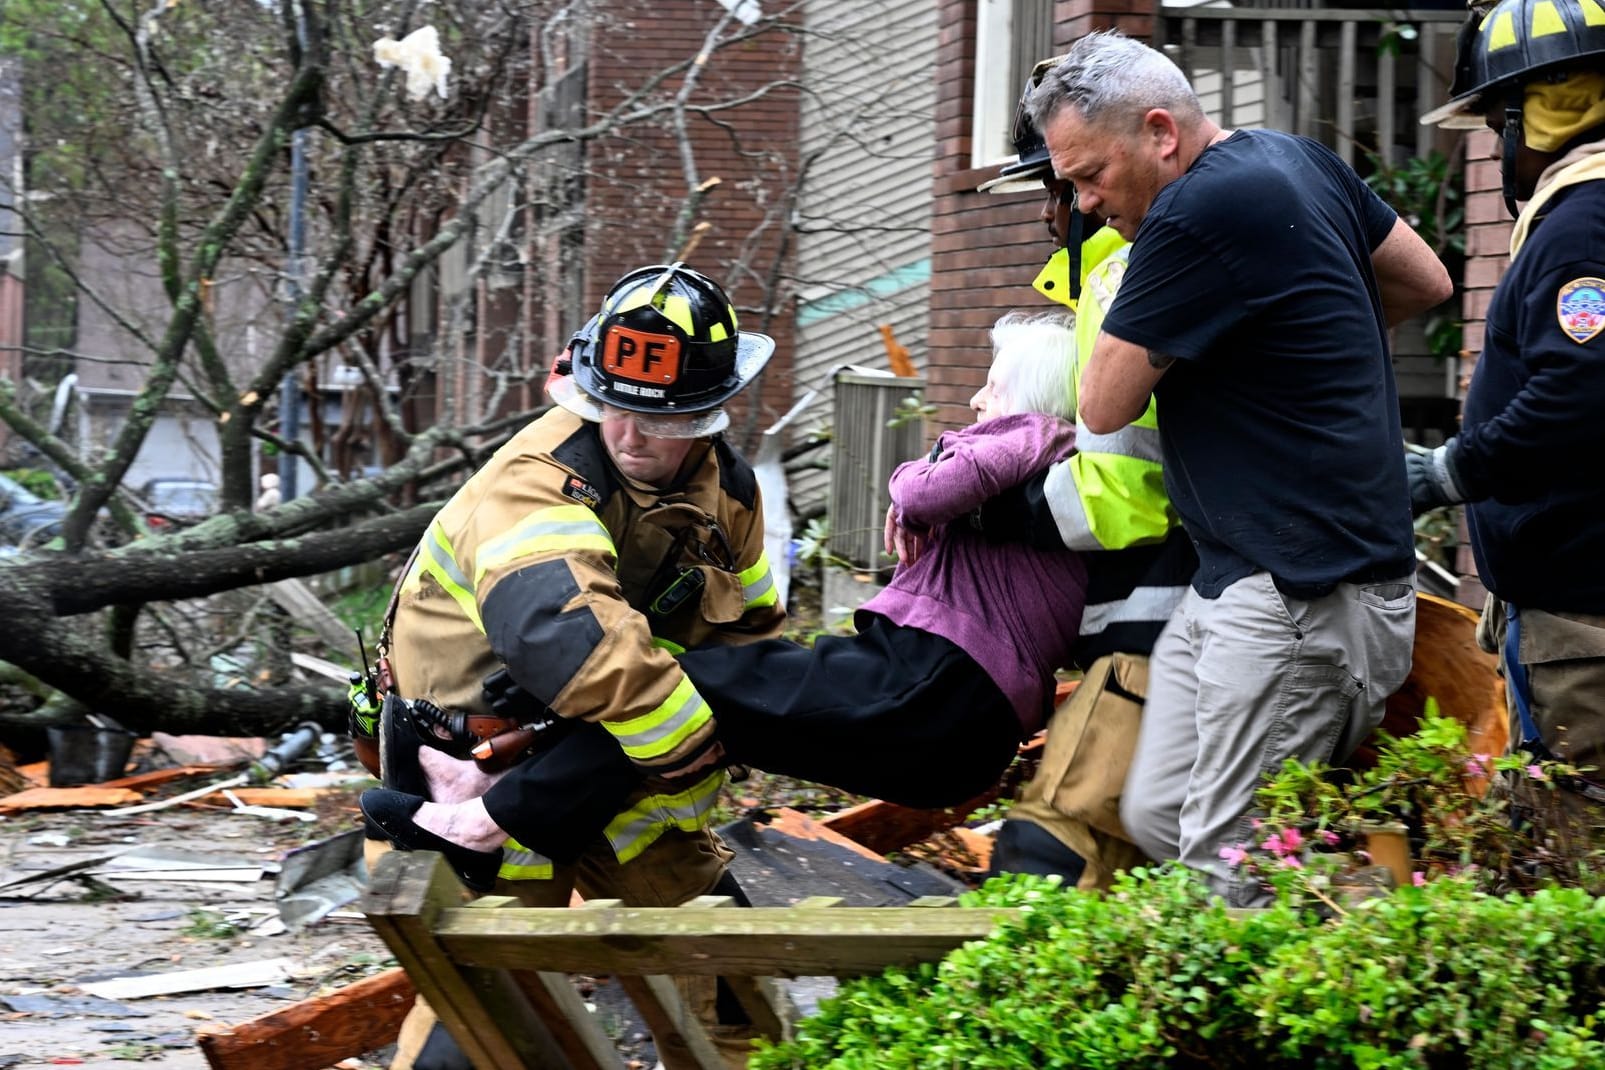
(1564, 654)
(678, 867)
(1240, 683)
(1075, 794)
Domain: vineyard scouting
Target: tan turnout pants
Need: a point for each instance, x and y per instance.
(1075, 794)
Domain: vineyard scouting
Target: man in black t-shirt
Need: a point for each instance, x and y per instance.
(1262, 280)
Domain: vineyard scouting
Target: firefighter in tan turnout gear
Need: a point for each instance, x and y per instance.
(549, 598)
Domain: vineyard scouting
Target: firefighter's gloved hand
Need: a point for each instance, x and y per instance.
(1433, 479)
(1020, 514)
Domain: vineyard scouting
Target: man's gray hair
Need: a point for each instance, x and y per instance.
(1113, 80)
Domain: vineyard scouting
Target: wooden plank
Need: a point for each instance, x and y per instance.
(1228, 72)
(155, 777)
(289, 798)
(554, 1000)
(573, 1026)
(89, 797)
(321, 1031)
(762, 941)
(1255, 14)
(487, 1014)
(1345, 94)
(679, 1036)
(1386, 105)
(767, 1007)
(885, 827)
(1308, 94)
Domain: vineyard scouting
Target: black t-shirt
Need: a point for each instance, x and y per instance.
(1280, 418)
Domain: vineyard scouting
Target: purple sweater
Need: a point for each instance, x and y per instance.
(1014, 609)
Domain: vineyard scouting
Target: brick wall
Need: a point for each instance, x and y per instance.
(636, 185)
(1487, 252)
(985, 248)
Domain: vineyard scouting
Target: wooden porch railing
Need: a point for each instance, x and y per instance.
(1353, 80)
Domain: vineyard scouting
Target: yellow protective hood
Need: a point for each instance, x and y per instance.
(1554, 113)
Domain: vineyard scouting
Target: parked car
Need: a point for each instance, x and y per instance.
(27, 520)
(177, 503)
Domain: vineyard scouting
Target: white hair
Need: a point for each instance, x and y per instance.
(1113, 80)
(1034, 362)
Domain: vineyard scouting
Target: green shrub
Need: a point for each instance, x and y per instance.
(1452, 972)
(1155, 974)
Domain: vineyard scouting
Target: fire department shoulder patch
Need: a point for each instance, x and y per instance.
(1580, 307)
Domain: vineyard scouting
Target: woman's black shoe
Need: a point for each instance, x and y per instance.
(392, 812)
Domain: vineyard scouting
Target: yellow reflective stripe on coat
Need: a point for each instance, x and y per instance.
(668, 644)
(758, 584)
(436, 559)
(558, 529)
(666, 727)
(519, 863)
(639, 827)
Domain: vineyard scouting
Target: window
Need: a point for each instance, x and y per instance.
(1010, 37)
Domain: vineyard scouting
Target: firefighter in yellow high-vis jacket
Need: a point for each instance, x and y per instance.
(609, 534)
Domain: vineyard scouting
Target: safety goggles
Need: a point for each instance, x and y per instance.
(665, 425)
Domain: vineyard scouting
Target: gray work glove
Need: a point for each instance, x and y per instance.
(1433, 479)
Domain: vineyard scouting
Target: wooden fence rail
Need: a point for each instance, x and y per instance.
(497, 973)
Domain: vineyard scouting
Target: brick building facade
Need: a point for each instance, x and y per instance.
(637, 184)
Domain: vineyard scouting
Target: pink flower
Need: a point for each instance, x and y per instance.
(1292, 862)
(1330, 838)
(1256, 824)
(1476, 765)
(1233, 856)
(1418, 878)
(1536, 772)
(1284, 843)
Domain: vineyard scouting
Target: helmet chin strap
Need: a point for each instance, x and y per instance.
(1513, 135)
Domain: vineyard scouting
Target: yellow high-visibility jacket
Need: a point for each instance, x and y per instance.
(1109, 494)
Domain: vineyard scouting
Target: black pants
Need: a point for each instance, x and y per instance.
(892, 712)
(895, 713)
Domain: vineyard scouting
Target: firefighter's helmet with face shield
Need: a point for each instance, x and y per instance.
(665, 347)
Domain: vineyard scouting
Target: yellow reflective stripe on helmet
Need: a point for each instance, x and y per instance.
(666, 727)
(558, 529)
(677, 310)
(637, 297)
(519, 863)
(1503, 33)
(1546, 20)
(758, 584)
(668, 644)
(639, 827)
(1593, 14)
(436, 559)
(717, 333)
